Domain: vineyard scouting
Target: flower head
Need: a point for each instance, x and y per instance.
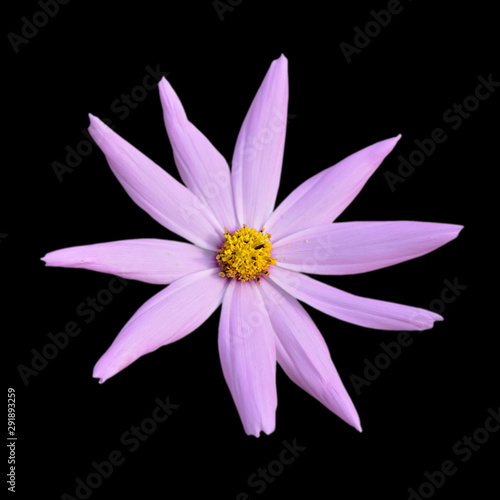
(250, 257)
(246, 254)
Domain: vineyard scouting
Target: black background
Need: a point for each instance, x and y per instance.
(413, 414)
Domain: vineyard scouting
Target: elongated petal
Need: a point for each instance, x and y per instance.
(248, 356)
(149, 260)
(323, 197)
(361, 311)
(155, 191)
(258, 155)
(303, 354)
(168, 316)
(202, 168)
(358, 247)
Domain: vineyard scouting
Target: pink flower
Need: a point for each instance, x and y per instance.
(249, 257)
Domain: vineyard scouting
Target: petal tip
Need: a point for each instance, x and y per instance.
(172, 106)
(424, 320)
(451, 231)
(100, 373)
(350, 415)
(281, 63)
(94, 120)
(101, 380)
(260, 431)
(394, 140)
(94, 124)
(437, 317)
(458, 229)
(163, 85)
(100, 130)
(48, 259)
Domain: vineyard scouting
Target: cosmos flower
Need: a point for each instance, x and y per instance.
(250, 257)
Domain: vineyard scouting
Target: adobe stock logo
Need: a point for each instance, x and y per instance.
(391, 350)
(122, 107)
(31, 27)
(464, 449)
(130, 440)
(453, 118)
(59, 341)
(363, 37)
(221, 7)
(263, 476)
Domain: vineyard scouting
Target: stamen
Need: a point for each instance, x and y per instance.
(245, 255)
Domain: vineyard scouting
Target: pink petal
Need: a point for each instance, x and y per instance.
(360, 311)
(258, 154)
(358, 247)
(149, 260)
(202, 168)
(323, 197)
(248, 356)
(155, 191)
(168, 316)
(303, 354)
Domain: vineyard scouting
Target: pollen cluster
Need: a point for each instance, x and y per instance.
(246, 254)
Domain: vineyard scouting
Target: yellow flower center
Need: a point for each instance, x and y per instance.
(246, 254)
